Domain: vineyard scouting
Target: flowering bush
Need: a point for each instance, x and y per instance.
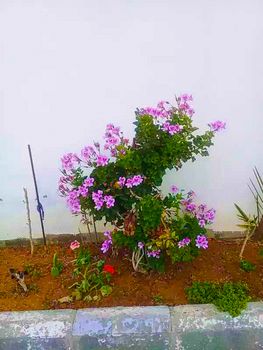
(122, 186)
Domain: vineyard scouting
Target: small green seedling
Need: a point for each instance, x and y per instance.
(32, 271)
(247, 266)
(57, 266)
(158, 299)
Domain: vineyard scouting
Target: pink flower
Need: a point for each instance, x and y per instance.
(184, 242)
(217, 126)
(136, 180)
(83, 191)
(88, 182)
(69, 161)
(185, 101)
(202, 223)
(121, 181)
(174, 129)
(107, 243)
(201, 242)
(73, 201)
(98, 200)
(110, 201)
(161, 104)
(87, 152)
(154, 254)
(166, 126)
(102, 160)
(74, 245)
(191, 207)
(140, 245)
(174, 189)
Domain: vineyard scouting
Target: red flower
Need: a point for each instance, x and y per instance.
(109, 268)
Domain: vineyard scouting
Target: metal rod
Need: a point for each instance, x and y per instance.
(39, 205)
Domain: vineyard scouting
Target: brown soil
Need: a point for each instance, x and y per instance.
(219, 263)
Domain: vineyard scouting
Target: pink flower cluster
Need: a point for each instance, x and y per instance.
(114, 138)
(174, 189)
(154, 253)
(130, 182)
(73, 199)
(184, 104)
(172, 129)
(184, 242)
(201, 242)
(64, 182)
(205, 216)
(69, 161)
(162, 117)
(99, 199)
(114, 143)
(162, 111)
(107, 243)
(218, 125)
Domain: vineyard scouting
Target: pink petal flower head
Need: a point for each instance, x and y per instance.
(154, 254)
(210, 215)
(121, 181)
(185, 101)
(63, 189)
(184, 242)
(98, 200)
(73, 201)
(87, 152)
(217, 125)
(83, 191)
(110, 201)
(74, 245)
(88, 182)
(129, 183)
(140, 245)
(202, 223)
(162, 104)
(201, 242)
(69, 161)
(191, 207)
(137, 180)
(107, 243)
(174, 189)
(174, 129)
(166, 126)
(102, 160)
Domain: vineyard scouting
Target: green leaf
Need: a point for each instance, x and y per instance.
(106, 290)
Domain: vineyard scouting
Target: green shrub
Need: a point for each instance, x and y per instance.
(119, 182)
(228, 297)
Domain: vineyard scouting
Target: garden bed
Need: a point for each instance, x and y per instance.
(220, 263)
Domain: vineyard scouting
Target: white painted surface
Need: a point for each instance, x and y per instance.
(69, 67)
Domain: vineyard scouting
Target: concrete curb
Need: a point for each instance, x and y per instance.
(186, 327)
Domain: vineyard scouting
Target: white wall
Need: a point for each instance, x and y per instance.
(68, 67)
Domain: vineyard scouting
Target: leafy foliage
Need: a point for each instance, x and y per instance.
(247, 265)
(228, 297)
(57, 266)
(92, 278)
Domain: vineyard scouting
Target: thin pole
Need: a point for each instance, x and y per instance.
(29, 221)
(39, 205)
